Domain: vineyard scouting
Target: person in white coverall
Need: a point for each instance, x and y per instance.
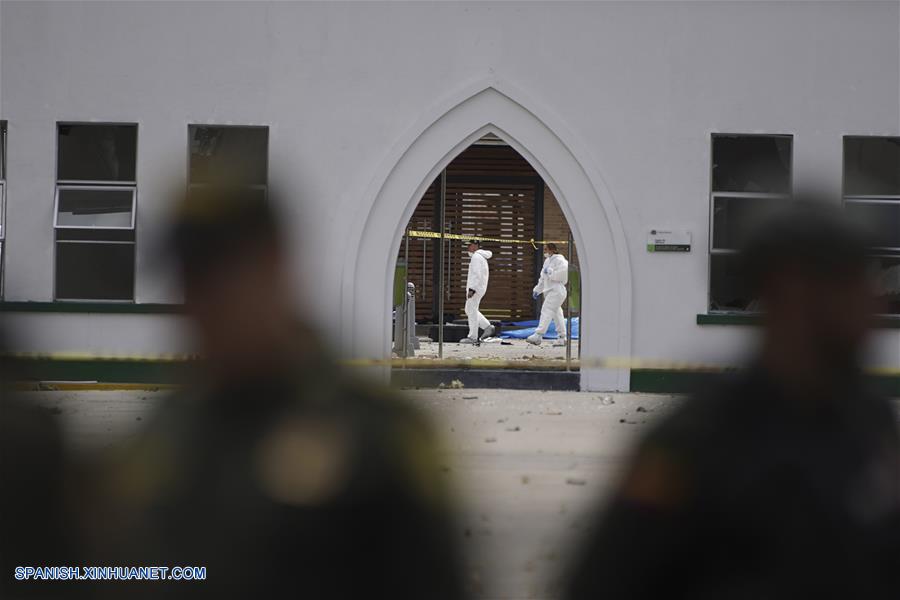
(552, 284)
(476, 287)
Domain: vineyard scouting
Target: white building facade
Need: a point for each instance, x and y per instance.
(615, 104)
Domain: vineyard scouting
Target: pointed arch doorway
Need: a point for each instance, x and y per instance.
(415, 162)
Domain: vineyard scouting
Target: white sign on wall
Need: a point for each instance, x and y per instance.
(668, 240)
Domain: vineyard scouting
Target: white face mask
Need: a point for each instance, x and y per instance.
(546, 255)
(470, 254)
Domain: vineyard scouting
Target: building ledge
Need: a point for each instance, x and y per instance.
(92, 307)
(881, 321)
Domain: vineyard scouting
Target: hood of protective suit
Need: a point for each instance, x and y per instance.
(478, 275)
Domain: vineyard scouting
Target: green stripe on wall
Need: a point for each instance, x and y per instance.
(881, 322)
(131, 371)
(104, 371)
(659, 381)
(92, 307)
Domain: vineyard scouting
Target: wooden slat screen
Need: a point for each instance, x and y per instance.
(491, 191)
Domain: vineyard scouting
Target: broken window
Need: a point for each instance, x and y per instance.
(94, 217)
(872, 197)
(751, 177)
(233, 154)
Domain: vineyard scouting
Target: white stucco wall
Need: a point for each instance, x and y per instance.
(632, 88)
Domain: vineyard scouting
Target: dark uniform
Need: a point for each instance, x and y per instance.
(296, 483)
(747, 491)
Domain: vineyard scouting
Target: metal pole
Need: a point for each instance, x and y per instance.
(442, 193)
(406, 299)
(569, 314)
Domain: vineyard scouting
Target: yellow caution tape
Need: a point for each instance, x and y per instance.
(435, 363)
(458, 236)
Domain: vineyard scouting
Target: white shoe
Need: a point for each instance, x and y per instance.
(535, 339)
(560, 342)
(489, 332)
(468, 340)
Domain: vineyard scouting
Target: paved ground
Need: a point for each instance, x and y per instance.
(527, 465)
(496, 348)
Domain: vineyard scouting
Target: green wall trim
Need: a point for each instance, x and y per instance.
(106, 370)
(728, 319)
(661, 381)
(92, 307)
(176, 370)
(881, 322)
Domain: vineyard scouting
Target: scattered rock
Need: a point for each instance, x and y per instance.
(470, 397)
(490, 440)
(516, 428)
(501, 420)
(641, 409)
(575, 481)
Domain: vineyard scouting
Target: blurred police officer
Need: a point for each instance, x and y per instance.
(783, 482)
(275, 471)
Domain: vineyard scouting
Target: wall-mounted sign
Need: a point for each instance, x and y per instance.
(668, 240)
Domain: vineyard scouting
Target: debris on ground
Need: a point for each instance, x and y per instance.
(501, 420)
(607, 400)
(641, 409)
(490, 440)
(516, 428)
(52, 410)
(575, 481)
(525, 479)
(456, 384)
(470, 397)
(553, 414)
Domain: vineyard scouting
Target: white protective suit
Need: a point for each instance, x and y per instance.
(477, 279)
(552, 284)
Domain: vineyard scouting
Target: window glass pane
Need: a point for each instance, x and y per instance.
(734, 218)
(751, 164)
(727, 289)
(882, 220)
(237, 154)
(94, 208)
(96, 235)
(871, 166)
(86, 271)
(2, 149)
(888, 277)
(89, 152)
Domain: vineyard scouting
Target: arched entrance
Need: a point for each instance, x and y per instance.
(382, 214)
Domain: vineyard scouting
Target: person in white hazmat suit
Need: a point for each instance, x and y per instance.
(552, 284)
(476, 287)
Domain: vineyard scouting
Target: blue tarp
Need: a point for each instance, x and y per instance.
(528, 327)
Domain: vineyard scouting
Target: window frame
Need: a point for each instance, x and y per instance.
(66, 187)
(713, 194)
(79, 184)
(890, 199)
(204, 185)
(4, 132)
